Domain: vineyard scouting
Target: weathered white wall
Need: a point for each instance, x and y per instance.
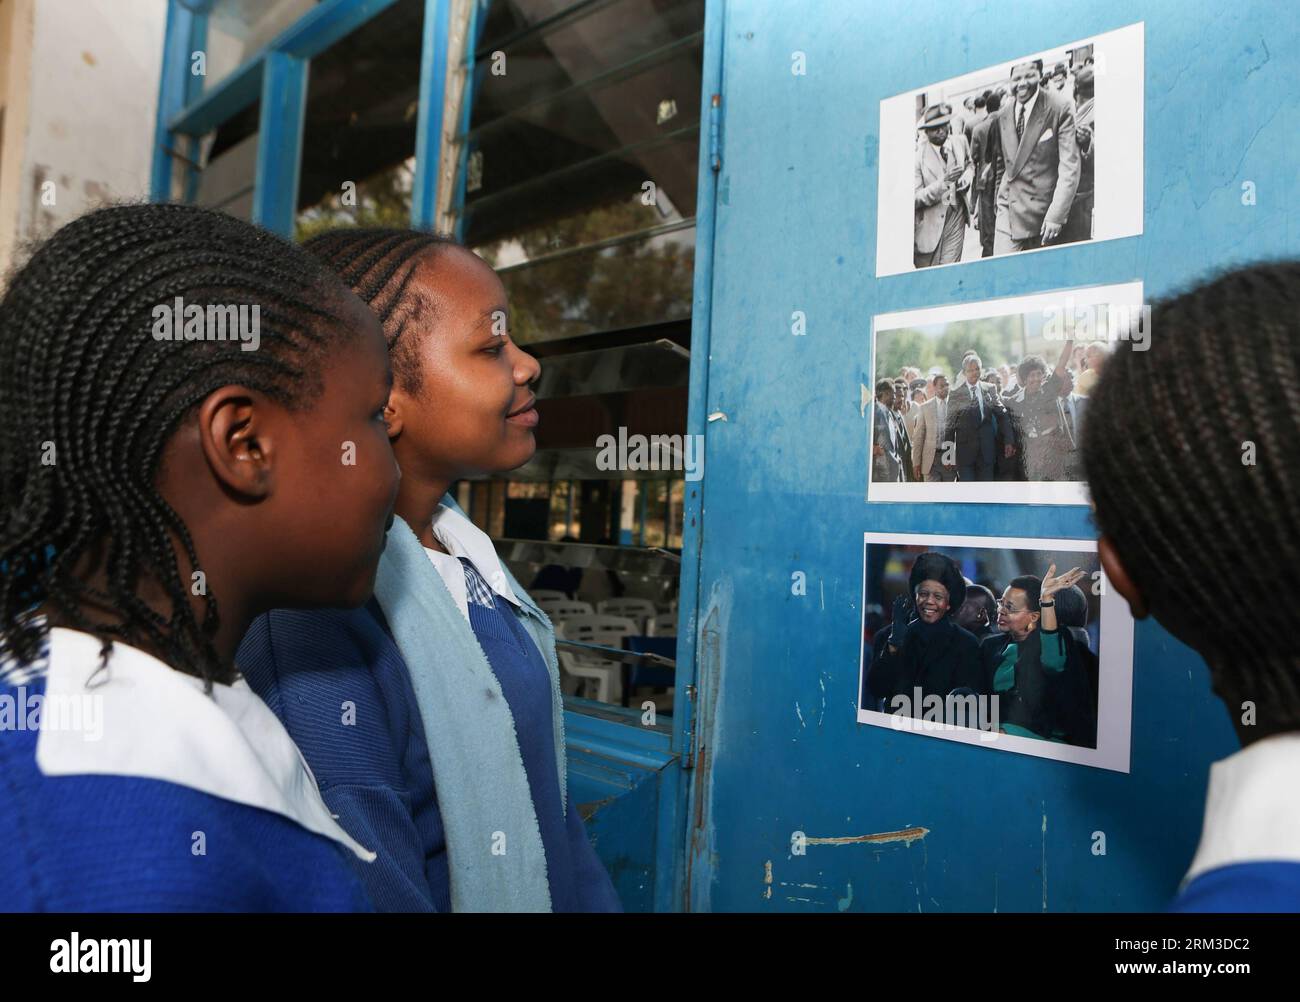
(80, 93)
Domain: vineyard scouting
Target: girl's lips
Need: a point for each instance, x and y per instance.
(526, 419)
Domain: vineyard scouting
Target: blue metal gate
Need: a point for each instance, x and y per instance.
(792, 214)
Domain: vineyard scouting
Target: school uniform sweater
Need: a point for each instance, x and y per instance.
(343, 690)
(129, 789)
(1248, 859)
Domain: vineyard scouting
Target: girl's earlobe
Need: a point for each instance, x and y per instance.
(393, 421)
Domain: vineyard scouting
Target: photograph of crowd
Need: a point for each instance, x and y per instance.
(1005, 160)
(987, 401)
(1006, 642)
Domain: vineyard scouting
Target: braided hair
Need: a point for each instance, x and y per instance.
(89, 397)
(377, 264)
(1208, 536)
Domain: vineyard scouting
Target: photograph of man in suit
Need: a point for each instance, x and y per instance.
(886, 459)
(928, 441)
(986, 153)
(1042, 163)
(975, 414)
(903, 422)
(943, 178)
(1078, 225)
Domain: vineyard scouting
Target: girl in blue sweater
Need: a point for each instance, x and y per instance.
(433, 718)
(191, 433)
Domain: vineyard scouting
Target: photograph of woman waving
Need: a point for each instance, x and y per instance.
(1032, 666)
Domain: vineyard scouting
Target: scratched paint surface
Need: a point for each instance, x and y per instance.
(785, 476)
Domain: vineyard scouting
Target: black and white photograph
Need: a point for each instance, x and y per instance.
(1010, 643)
(985, 402)
(1040, 152)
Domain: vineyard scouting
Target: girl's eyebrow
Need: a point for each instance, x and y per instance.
(490, 315)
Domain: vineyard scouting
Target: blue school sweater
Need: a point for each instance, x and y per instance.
(91, 841)
(339, 684)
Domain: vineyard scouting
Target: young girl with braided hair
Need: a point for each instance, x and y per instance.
(453, 763)
(161, 487)
(1191, 455)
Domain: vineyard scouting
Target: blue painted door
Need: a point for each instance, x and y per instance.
(793, 209)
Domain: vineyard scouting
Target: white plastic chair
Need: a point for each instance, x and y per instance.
(608, 631)
(547, 595)
(662, 625)
(563, 608)
(578, 669)
(599, 628)
(636, 609)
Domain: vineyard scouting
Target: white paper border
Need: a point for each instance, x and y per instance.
(1118, 168)
(988, 491)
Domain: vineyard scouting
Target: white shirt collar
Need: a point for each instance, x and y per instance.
(157, 723)
(1252, 807)
(463, 538)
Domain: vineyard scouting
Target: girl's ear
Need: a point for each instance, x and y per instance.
(1118, 575)
(236, 440)
(393, 411)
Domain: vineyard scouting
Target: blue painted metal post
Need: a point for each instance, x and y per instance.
(433, 97)
(675, 824)
(467, 104)
(275, 184)
(186, 33)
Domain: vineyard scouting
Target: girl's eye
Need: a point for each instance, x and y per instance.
(497, 348)
(380, 414)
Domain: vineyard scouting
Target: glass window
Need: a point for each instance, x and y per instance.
(564, 516)
(629, 284)
(621, 194)
(227, 166)
(358, 155)
(238, 29)
(545, 53)
(578, 184)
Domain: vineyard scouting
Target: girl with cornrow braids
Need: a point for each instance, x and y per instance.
(1192, 453)
(450, 760)
(162, 486)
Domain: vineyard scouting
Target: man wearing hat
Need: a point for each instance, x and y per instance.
(923, 652)
(943, 178)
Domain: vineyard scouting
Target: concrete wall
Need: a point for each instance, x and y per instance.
(80, 92)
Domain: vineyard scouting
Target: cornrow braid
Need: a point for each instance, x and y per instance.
(377, 264)
(1211, 538)
(89, 398)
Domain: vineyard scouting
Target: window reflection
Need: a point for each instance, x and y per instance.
(358, 159)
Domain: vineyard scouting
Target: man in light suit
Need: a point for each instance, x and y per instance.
(943, 176)
(928, 442)
(1042, 163)
(975, 414)
(886, 464)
